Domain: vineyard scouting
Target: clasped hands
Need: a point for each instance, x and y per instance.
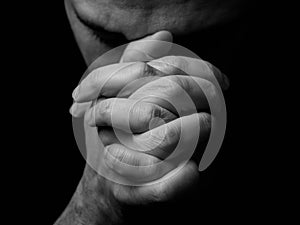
(139, 106)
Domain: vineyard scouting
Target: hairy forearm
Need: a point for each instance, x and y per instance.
(91, 204)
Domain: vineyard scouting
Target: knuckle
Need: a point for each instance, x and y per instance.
(172, 135)
(174, 79)
(209, 67)
(214, 71)
(117, 192)
(159, 193)
(209, 89)
(155, 111)
(105, 136)
(181, 63)
(144, 69)
(168, 85)
(158, 136)
(183, 82)
(205, 126)
(166, 115)
(104, 109)
(143, 113)
(221, 78)
(121, 193)
(165, 137)
(94, 77)
(179, 85)
(205, 119)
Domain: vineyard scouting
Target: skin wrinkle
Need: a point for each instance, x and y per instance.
(91, 203)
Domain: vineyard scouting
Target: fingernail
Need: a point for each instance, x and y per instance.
(75, 93)
(163, 36)
(72, 109)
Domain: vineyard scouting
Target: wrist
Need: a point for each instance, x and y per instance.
(92, 203)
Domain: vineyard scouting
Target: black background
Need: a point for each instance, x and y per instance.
(46, 64)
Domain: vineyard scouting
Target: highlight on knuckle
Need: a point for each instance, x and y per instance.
(144, 112)
(205, 119)
(94, 77)
(209, 89)
(104, 109)
(159, 193)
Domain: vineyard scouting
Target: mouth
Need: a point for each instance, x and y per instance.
(110, 38)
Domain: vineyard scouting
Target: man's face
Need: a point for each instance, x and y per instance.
(100, 25)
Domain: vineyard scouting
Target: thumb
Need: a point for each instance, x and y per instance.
(151, 47)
